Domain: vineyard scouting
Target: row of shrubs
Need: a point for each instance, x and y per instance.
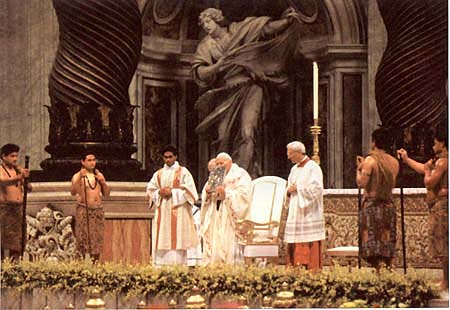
(328, 288)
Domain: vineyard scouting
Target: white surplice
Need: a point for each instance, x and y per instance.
(305, 222)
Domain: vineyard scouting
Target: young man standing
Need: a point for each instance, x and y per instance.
(377, 174)
(89, 185)
(172, 193)
(11, 201)
(435, 173)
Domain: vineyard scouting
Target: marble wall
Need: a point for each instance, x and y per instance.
(376, 44)
(28, 40)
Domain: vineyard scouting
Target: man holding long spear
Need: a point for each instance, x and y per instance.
(89, 185)
(12, 178)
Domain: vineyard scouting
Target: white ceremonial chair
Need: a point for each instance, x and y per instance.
(259, 230)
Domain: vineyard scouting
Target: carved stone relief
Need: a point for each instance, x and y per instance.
(50, 236)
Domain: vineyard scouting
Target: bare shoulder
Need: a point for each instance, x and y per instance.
(442, 163)
(369, 161)
(75, 176)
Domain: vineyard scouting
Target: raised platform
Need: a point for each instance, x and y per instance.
(341, 219)
(129, 220)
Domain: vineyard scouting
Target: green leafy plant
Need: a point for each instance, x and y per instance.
(330, 288)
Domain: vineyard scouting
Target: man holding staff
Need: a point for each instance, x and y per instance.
(89, 185)
(12, 179)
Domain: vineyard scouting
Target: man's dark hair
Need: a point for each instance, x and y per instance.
(169, 148)
(85, 154)
(8, 149)
(383, 139)
(441, 133)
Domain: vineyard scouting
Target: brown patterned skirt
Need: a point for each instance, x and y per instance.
(11, 226)
(438, 223)
(89, 233)
(377, 226)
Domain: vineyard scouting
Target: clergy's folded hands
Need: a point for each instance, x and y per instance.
(165, 192)
(292, 189)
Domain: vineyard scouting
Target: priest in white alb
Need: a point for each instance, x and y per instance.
(231, 203)
(305, 225)
(172, 193)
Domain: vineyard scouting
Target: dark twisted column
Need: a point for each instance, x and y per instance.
(99, 48)
(411, 79)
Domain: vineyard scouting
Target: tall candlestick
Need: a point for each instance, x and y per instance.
(315, 91)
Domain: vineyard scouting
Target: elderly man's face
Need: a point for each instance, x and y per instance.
(223, 162)
(294, 156)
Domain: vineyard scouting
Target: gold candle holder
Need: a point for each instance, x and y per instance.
(315, 132)
(173, 304)
(285, 298)
(243, 301)
(267, 302)
(95, 301)
(141, 305)
(195, 301)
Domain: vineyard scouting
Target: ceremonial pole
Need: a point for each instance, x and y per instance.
(24, 207)
(402, 214)
(87, 215)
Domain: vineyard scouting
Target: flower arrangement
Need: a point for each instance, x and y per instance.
(329, 288)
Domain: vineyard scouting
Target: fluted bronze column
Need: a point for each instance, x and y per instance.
(99, 48)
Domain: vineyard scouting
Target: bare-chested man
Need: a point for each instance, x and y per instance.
(435, 173)
(89, 185)
(11, 201)
(377, 174)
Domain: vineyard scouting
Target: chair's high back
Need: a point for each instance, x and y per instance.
(267, 198)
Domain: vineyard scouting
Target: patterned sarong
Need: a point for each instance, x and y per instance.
(438, 223)
(377, 224)
(11, 226)
(89, 234)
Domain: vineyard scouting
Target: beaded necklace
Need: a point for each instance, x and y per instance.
(90, 185)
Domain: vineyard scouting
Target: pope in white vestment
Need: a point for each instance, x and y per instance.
(221, 211)
(172, 193)
(305, 225)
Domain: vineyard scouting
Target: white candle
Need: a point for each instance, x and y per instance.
(315, 91)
